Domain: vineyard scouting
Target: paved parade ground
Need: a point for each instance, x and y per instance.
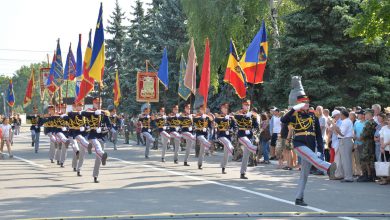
(132, 187)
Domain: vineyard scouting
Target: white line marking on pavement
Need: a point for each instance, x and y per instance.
(228, 186)
(28, 161)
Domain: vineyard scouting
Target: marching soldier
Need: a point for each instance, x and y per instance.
(160, 122)
(186, 121)
(307, 137)
(35, 128)
(115, 125)
(62, 134)
(225, 125)
(50, 128)
(97, 122)
(202, 124)
(77, 134)
(146, 129)
(174, 122)
(246, 122)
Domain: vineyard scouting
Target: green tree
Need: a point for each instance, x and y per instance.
(114, 50)
(373, 23)
(336, 69)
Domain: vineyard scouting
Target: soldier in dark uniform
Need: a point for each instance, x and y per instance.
(62, 134)
(115, 125)
(77, 134)
(35, 128)
(202, 124)
(146, 130)
(174, 128)
(49, 130)
(160, 121)
(187, 131)
(246, 122)
(367, 156)
(97, 122)
(306, 139)
(225, 126)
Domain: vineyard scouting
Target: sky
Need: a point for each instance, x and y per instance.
(30, 28)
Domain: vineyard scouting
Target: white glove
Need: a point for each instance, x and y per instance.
(98, 112)
(227, 117)
(248, 115)
(164, 128)
(190, 128)
(190, 116)
(99, 130)
(63, 128)
(164, 117)
(148, 116)
(177, 115)
(203, 116)
(63, 115)
(82, 129)
(247, 132)
(227, 132)
(114, 115)
(36, 115)
(204, 129)
(149, 130)
(299, 106)
(318, 154)
(177, 128)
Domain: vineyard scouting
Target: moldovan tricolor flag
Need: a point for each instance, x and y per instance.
(234, 75)
(96, 67)
(10, 92)
(255, 58)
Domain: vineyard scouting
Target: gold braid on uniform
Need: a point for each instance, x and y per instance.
(93, 121)
(302, 124)
(244, 123)
(223, 125)
(186, 122)
(201, 124)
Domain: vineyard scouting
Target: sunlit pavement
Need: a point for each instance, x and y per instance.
(132, 187)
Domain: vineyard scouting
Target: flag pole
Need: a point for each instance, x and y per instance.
(147, 70)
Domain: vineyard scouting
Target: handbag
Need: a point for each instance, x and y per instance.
(382, 168)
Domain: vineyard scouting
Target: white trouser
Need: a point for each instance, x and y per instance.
(165, 137)
(204, 145)
(247, 148)
(227, 150)
(190, 143)
(98, 145)
(149, 140)
(53, 146)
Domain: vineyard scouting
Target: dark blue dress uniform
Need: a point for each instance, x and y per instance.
(160, 123)
(35, 122)
(202, 125)
(225, 126)
(75, 121)
(306, 127)
(186, 123)
(174, 122)
(93, 122)
(245, 124)
(146, 122)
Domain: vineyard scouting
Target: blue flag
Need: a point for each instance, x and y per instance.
(10, 93)
(58, 72)
(78, 82)
(163, 71)
(70, 66)
(79, 62)
(253, 51)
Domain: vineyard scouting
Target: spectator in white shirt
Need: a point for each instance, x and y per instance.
(377, 110)
(385, 147)
(275, 127)
(7, 135)
(345, 135)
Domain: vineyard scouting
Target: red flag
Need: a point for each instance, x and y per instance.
(29, 89)
(205, 78)
(87, 82)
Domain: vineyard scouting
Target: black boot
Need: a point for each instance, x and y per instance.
(58, 162)
(223, 171)
(104, 158)
(300, 202)
(32, 144)
(175, 161)
(162, 160)
(74, 169)
(78, 173)
(186, 164)
(200, 167)
(363, 178)
(62, 165)
(243, 176)
(51, 161)
(95, 180)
